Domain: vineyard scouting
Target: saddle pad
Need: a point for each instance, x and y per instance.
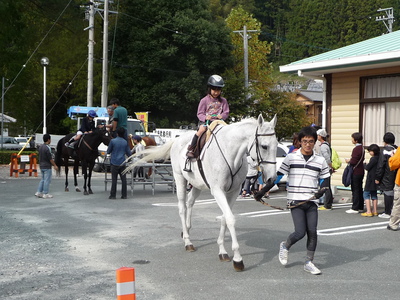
(212, 126)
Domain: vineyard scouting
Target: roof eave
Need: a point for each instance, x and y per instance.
(354, 63)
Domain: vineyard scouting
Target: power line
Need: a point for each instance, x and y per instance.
(34, 51)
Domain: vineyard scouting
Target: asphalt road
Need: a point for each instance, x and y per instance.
(69, 247)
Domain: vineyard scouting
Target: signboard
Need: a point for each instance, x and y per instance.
(24, 158)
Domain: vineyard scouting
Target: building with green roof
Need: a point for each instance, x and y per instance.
(361, 90)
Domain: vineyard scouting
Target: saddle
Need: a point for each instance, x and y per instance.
(205, 137)
(201, 142)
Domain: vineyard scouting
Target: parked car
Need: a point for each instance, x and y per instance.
(10, 143)
(155, 136)
(281, 151)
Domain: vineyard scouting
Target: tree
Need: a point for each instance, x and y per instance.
(241, 101)
(163, 62)
(265, 99)
(41, 28)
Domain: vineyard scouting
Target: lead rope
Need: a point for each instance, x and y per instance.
(316, 195)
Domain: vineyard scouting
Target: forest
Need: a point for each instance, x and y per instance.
(161, 53)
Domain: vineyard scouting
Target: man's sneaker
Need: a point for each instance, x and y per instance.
(45, 196)
(384, 216)
(66, 144)
(283, 254)
(351, 211)
(39, 195)
(311, 268)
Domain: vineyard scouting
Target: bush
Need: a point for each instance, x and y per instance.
(5, 155)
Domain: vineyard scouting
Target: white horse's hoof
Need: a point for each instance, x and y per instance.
(238, 266)
(224, 257)
(190, 248)
(67, 189)
(77, 189)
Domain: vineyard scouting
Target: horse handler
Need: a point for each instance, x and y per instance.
(118, 148)
(305, 172)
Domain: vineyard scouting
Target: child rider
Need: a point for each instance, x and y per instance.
(212, 107)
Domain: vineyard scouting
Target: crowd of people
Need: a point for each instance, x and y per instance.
(382, 177)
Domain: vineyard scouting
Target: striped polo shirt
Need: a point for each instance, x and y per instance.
(303, 176)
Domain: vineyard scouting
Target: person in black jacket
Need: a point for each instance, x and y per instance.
(87, 126)
(371, 188)
(384, 177)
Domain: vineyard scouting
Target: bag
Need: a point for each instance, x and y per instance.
(347, 174)
(336, 162)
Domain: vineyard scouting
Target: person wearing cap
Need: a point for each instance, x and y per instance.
(87, 126)
(326, 153)
(212, 107)
(138, 147)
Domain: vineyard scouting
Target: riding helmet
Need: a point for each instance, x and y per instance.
(215, 81)
(92, 113)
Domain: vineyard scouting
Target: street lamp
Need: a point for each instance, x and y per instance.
(44, 62)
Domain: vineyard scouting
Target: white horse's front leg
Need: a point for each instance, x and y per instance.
(230, 223)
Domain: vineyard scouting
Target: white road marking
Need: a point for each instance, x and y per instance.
(353, 229)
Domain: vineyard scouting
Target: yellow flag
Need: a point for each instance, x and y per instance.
(144, 117)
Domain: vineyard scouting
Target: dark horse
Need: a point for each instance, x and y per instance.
(86, 153)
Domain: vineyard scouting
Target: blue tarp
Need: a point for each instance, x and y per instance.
(74, 110)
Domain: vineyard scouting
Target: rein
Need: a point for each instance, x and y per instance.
(316, 195)
(230, 169)
(255, 142)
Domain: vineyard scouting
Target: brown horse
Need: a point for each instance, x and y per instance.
(149, 142)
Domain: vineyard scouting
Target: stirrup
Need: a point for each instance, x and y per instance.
(186, 169)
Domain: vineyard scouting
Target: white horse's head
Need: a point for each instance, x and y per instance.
(263, 149)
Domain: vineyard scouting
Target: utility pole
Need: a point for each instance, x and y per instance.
(104, 87)
(246, 37)
(90, 15)
(389, 18)
(2, 111)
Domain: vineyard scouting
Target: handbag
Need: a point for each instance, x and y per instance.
(348, 173)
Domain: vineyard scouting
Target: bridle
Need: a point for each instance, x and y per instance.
(258, 153)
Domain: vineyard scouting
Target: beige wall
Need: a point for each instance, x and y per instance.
(345, 116)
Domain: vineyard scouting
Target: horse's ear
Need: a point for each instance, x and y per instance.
(260, 120)
(274, 120)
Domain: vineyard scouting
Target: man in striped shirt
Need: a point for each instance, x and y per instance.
(306, 172)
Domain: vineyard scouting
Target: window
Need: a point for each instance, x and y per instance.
(380, 108)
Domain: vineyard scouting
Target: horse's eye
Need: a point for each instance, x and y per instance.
(264, 147)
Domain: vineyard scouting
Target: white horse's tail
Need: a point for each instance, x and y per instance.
(151, 154)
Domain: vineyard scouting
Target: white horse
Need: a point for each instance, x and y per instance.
(224, 165)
